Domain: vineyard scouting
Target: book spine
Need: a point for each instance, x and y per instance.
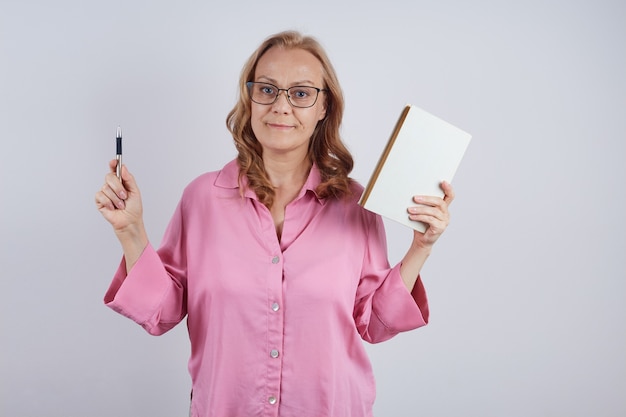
(383, 157)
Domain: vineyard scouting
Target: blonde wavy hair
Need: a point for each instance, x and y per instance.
(326, 149)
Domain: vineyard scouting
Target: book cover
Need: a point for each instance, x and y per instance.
(423, 151)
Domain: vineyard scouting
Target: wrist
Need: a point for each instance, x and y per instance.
(133, 236)
(420, 245)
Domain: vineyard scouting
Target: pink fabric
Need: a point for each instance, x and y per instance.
(275, 327)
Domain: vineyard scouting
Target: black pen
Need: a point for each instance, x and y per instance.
(118, 153)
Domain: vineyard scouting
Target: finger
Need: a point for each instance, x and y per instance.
(124, 187)
(448, 190)
(426, 200)
(128, 183)
(109, 192)
(103, 202)
(439, 212)
(429, 215)
(114, 182)
(129, 180)
(435, 225)
(113, 165)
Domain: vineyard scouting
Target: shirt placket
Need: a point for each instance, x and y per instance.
(275, 324)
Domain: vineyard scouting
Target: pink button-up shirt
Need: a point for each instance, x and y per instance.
(276, 326)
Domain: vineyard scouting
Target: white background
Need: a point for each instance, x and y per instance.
(527, 289)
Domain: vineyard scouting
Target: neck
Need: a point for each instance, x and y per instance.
(287, 172)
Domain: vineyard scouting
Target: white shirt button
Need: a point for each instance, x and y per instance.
(274, 353)
(275, 259)
(271, 400)
(275, 307)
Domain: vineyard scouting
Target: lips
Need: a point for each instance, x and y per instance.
(279, 126)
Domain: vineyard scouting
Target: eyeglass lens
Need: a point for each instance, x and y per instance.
(298, 96)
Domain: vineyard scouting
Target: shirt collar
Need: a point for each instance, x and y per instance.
(228, 177)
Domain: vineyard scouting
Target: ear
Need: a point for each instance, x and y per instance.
(322, 111)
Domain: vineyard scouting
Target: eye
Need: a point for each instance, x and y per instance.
(300, 92)
(267, 89)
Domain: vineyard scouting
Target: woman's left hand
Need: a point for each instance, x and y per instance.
(434, 212)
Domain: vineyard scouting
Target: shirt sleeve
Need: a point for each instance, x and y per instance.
(384, 307)
(153, 293)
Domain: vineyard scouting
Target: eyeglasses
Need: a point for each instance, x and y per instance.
(298, 96)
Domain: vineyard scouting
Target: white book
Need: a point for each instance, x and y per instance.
(422, 152)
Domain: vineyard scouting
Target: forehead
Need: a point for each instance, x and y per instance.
(289, 66)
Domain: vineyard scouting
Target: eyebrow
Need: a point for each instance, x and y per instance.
(273, 81)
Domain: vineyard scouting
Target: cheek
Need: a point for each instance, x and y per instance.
(254, 112)
(256, 115)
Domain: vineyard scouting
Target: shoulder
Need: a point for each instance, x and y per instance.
(351, 203)
(200, 184)
(356, 190)
(212, 181)
(352, 199)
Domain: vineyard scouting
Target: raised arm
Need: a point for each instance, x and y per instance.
(119, 202)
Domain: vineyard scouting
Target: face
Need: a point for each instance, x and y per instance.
(280, 128)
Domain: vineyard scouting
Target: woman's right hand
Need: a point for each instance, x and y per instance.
(119, 202)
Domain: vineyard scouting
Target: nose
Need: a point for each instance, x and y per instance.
(282, 104)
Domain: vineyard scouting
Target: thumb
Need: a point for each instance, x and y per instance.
(129, 181)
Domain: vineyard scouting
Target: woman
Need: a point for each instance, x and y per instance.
(278, 270)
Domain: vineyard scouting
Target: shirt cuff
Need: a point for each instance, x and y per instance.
(138, 294)
(397, 308)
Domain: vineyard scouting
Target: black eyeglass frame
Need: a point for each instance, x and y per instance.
(249, 84)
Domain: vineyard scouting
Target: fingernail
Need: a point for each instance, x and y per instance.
(123, 195)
